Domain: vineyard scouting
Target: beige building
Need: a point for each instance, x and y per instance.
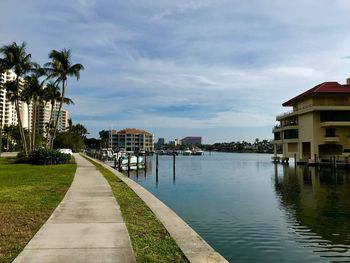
(131, 139)
(63, 120)
(318, 125)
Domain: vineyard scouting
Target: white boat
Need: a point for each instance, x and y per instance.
(133, 162)
(187, 152)
(198, 152)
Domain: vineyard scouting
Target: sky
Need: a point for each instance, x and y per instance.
(219, 69)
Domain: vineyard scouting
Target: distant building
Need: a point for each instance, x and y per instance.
(177, 142)
(318, 126)
(161, 141)
(131, 139)
(192, 140)
(8, 114)
(63, 119)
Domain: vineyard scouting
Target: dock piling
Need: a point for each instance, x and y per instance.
(174, 165)
(157, 167)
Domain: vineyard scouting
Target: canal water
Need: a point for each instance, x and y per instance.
(251, 210)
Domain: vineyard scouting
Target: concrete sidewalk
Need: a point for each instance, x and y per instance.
(87, 226)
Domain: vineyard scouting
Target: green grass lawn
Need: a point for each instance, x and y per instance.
(150, 240)
(28, 196)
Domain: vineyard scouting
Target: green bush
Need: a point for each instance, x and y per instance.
(21, 158)
(48, 157)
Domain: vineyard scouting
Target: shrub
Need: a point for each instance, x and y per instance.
(21, 158)
(48, 157)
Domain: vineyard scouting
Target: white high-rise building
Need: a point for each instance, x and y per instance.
(8, 114)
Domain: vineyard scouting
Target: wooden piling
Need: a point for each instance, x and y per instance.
(129, 159)
(145, 160)
(174, 165)
(137, 162)
(120, 164)
(295, 160)
(157, 167)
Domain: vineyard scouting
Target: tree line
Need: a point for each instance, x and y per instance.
(36, 85)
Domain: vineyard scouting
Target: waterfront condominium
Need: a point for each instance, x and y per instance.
(8, 114)
(319, 124)
(131, 139)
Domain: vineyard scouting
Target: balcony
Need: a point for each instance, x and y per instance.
(335, 123)
(277, 128)
(334, 139)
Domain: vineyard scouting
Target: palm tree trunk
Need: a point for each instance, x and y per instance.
(34, 123)
(48, 130)
(0, 136)
(8, 142)
(29, 134)
(59, 111)
(21, 130)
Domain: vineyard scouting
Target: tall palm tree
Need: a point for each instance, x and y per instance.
(32, 94)
(60, 68)
(16, 58)
(52, 94)
(2, 70)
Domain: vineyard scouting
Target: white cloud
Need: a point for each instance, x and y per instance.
(231, 63)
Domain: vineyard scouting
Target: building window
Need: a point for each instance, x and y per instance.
(277, 136)
(291, 134)
(330, 132)
(335, 116)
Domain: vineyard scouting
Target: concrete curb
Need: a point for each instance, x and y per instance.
(192, 245)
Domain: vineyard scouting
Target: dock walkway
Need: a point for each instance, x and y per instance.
(86, 227)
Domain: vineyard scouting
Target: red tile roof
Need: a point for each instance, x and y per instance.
(133, 131)
(323, 88)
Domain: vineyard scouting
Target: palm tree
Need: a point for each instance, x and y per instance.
(2, 70)
(17, 59)
(32, 93)
(60, 68)
(9, 131)
(52, 94)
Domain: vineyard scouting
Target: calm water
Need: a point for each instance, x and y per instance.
(251, 210)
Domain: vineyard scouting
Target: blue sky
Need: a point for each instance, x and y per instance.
(216, 68)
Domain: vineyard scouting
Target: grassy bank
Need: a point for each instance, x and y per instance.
(150, 240)
(28, 196)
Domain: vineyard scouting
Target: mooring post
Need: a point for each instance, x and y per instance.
(157, 167)
(120, 164)
(145, 160)
(137, 162)
(174, 165)
(295, 160)
(129, 159)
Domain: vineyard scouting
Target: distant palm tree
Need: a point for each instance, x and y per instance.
(60, 68)
(17, 59)
(52, 94)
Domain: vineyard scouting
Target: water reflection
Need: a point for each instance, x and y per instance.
(317, 205)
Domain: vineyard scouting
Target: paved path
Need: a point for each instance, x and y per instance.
(86, 227)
